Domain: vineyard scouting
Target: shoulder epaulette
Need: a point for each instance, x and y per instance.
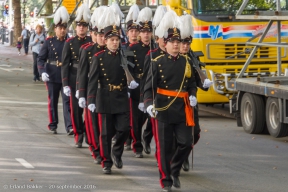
(132, 44)
(98, 53)
(49, 37)
(84, 45)
(90, 44)
(151, 51)
(158, 57)
(69, 39)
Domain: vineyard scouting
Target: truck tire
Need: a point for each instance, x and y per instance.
(275, 127)
(252, 113)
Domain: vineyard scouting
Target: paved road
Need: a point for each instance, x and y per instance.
(225, 159)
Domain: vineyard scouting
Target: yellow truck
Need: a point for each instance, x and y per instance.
(222, 40)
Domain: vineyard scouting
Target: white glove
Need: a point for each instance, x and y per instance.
(149, 111)
(141, 107)
(133, 85)
(207, 83)
(92, 107)
(45, 77)
(67, 91)
(193, 101)
(128, 94)
(82, 102)
(77, 94)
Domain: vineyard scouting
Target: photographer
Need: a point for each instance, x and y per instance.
(36, 41)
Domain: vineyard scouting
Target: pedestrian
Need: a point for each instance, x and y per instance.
(107, 93)
(36, 41)
(132, 34)
(26, 37)
(85, 61)
(19, 45)
(203, 83)
(70, 64)
(49, 66)
(169, 93)
(140, 49)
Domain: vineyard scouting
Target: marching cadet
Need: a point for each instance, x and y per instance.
(140, 50)
(70, 63)
(152, 54)
(169, 94)
(107, 93)
(49, 66)
(132, 33)
(201, 79)
(85, 63)
(131, 25)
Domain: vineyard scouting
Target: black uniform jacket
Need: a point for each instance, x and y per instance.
(150, 55)
(167, 73)
(70, 59)
(105, 72)
(140, 50)
(50, 53)
(86, 53)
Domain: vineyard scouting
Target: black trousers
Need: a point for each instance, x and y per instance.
(138, 120)
(76, 117)
(92, 131)
(35, 68)
(148, 131)
(54, 90)
(26, 45)
(170, 162)
(110, 125)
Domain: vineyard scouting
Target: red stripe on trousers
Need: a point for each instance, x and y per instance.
(100, 138)
(91, 130)
(159, 155)
(86, 120)
(154, 132)
(73, 123)
(49, 108)
(132, 127)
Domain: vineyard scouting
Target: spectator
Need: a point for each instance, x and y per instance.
(19, 45)
(25, 37)
(36, 41)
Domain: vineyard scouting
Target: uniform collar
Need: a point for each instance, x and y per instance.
(64, 39)
(161, 51)
(143, 44)
(100, 47)
(80, 38)
(174, 58)
(112, 53)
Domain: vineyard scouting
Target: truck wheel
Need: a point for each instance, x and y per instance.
(252, 113)
(275, 127)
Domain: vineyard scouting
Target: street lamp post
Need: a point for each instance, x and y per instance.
(24, 15)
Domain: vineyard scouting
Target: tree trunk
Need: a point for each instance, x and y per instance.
(17, 21)
(49, 21)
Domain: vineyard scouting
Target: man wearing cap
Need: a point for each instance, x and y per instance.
(169, 93)
(70, 63)
(203, 83)
(49, 66)
(140, 50)
(131, 25)
(85, 62)
(107, 94)
(149, 132)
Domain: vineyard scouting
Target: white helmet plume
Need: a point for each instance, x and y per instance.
(83, 13)
(145, 15)
(133, 13)
(186, 27)
(170, 20)
(159, 14)
(61, 15)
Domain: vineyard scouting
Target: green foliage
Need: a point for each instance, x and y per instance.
(231, 6)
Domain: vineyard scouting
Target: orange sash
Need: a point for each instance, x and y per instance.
(188, 108)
